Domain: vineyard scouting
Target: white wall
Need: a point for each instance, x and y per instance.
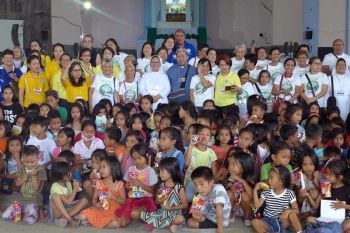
(122, 20)
(332, 22)
(238, 21)
(287, 21)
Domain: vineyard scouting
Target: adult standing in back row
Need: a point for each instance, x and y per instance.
(329, 61)
(180, 76)
(180, 43)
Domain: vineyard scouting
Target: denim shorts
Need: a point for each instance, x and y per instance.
(274, 224)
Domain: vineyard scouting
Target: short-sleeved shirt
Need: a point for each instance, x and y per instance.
(276, 204)
(51, 69)
(45, 147)
(275, 71)
(84, 152)
(176, 154)
(6, 80)
(56, 188)
(217, 196)
(200, 92)
(58, 86)
(129, 91)
(104, 88)
(63, 112)
(247, 90)
(265, 168)
(28, 194)
(10, 112)
(147, 176)
(266, 93)
(330, 60)
(80, 92)
(35, 91)
(289, 84)
(222, 97)
(143, 64)
(317, 81)
(236, 65)
(200, 158)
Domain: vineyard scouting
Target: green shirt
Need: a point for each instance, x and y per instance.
(265, 168)
(63, 113)
(28, 194)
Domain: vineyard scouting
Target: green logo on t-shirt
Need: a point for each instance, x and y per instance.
(287, 86)
(315, 85)
(266, 95)
(106, 89)
(244, 95)
(199, 88)
(274, 75)
(130, 95)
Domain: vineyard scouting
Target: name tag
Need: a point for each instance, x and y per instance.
(78, 97)
(223, 91)
(37, 91)
(181, 80)
(340, 92)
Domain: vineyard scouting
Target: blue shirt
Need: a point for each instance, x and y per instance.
(191, 52)
(5, 78)
(174, 73)
(176, 154)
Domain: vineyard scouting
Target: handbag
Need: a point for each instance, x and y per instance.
(331, 101)
(279, 100)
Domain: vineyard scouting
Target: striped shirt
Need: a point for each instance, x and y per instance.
(276, 204)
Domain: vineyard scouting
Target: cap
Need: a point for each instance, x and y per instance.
(51, 93)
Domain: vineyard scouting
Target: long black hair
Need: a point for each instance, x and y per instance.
(174, 134)
(8, 154)
(172, 165)
(245, 160)
(284, 174)
(59, 170)
(114, 168)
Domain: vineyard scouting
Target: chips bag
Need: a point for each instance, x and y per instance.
(325, 187)
(95, 177)
(164, 193)
(103, 200)
(197, 203)
(17, 212)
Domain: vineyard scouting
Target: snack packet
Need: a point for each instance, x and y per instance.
(164, 193)
(103, 200)
(236, 184)
(17, 212)
(325, 187)
(132, 175)
(197, 203)
(96, 176)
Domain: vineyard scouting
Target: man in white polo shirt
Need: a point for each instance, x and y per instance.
(329, 61)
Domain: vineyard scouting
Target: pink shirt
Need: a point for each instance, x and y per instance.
(128, 162)
(147, 176)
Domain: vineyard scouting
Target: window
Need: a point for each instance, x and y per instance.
(175, 10)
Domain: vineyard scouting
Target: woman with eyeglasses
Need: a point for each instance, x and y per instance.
(341, 87)
(77, 84)
(302, 63)
(155, 83)
(56, 80)
(314, 84)
(275, 67)
(84, 60)
(95, 58)
(227, 84)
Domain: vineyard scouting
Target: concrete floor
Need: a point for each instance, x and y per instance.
(136, 226)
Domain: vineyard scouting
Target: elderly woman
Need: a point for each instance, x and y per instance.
(238, 60)
(105, 86)
(227, 84)
(341, 88)
(76, 84)
(129, 88)
(155, 83)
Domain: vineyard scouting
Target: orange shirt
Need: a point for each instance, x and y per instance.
(3, 143)
(118, 151)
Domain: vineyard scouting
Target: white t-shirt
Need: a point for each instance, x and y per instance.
(330, 60)
(254, 73)
(317, 81)
(341, 93)
(274, 71)
(118, 60)
(201, 93)
(247, 90)
(236, 65)
(104, 88)
(122, 77)
(194, 61)
(215, 70)
(45, 147)
(129, 91)
(143, 64)
(262, 63)
(288, 84)
(166, 66)
(301, 71)
(266, 93)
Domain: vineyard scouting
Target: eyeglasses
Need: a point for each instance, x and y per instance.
(317, 63)
(302, 57)
(77, 70)
(87, 41)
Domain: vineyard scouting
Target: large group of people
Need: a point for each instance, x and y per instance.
(179, 137)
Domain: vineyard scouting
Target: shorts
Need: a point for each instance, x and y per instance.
(206, 224)
(274, 224)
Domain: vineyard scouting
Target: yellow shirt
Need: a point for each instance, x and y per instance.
(58, 86)
(75, 93)
(51, 69)
(224, 98)
(116, 70)
(86, 74)
(36, 87)
(44, 60)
